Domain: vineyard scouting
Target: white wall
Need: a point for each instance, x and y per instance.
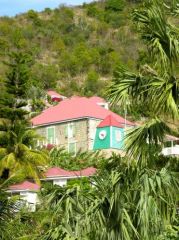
(171, 150)
(92, 131)
(60, 182)
(31, 199)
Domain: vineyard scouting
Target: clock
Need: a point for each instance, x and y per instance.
(102, 134)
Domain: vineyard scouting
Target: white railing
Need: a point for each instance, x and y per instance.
(171, 150)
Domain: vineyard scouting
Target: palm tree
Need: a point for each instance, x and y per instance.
(125, 203)
(17, 151)
(155, 86)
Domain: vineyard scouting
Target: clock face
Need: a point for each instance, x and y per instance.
(102, 134)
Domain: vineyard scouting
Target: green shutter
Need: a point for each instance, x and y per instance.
(51, 135)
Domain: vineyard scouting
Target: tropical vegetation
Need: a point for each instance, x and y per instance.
(132, 197)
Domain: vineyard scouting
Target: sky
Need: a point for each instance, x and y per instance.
(13, 7)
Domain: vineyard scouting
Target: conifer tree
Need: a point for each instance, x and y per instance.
(16, 83)
(17, 150)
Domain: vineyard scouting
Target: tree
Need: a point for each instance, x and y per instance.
(126, 202)
(16, 84)
(18, 154)
(92, 83)
(114, 5)
(6, 212)
(17, 150)
(154, 86)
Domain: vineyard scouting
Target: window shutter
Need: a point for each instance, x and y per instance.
(51, 135)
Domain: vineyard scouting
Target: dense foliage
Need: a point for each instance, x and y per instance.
(132, 197)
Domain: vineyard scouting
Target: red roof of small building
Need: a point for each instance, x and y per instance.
(110, 121)
(26, 185)
(97, 99)
(75, 108)
(53, 94)
(59, 172)
(171, 138)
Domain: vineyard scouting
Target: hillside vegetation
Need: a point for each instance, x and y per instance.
(73, 49)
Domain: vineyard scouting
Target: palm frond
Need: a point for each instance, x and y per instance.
(159, 35)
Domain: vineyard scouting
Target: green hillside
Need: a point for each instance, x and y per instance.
(73, 49)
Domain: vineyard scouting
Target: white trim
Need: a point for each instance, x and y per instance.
(20, 190)
(63, 177)
(65, 121)
(93, 140)
(74, 119)
(110, 136)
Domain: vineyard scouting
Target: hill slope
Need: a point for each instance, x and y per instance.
(73, 49)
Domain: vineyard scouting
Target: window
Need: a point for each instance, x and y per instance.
(71, 130)
(51, 135)
(72, 148)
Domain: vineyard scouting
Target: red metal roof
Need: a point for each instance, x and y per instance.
(75, 108)
(97, 99)
(56, 97)
(26, 185)
(171, 138)
(59, 172)
(54, 94)
(110, 121)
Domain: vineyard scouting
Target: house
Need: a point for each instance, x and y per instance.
(60, 176)
(54, 96)
(72, 123)
(27, 191)
(171, 146)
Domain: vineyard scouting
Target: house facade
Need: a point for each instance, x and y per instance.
(74, 135)
(27, 192)
(171, 146)
(72, 123)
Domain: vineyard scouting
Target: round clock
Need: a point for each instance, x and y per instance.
(102, 134)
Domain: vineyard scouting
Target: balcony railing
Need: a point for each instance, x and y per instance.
(171, 150)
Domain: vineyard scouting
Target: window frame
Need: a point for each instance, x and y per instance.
(73, 130)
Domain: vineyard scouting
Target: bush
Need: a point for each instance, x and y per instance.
(115, 5)
(31, 14)
(92, 83)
